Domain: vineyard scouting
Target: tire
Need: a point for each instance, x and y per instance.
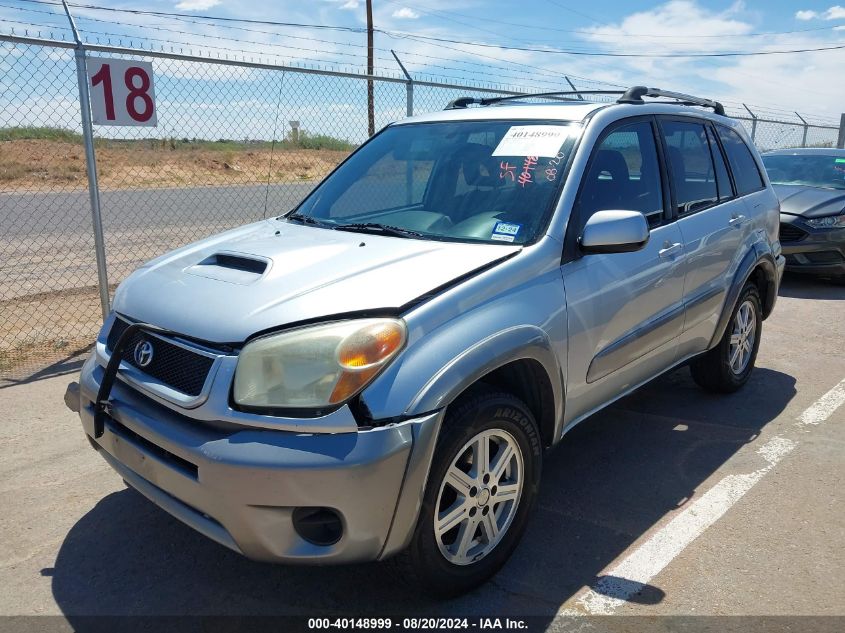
(436, 561)
(714, 370)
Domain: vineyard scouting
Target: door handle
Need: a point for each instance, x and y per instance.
(736, 220)
(669, 249)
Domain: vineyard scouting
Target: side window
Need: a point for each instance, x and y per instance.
(746, 173)
(624, 175)
(723, 180)
(690, 165)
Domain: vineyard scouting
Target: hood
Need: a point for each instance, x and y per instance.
(264, 275)
(810, 202)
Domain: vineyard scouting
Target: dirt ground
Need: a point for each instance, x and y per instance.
(45, 165)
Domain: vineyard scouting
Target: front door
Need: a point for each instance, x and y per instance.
(625, 310)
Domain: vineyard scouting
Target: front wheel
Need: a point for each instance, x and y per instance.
(728, 366)
(483, 483)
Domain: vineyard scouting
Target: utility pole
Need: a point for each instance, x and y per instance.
(371, 107)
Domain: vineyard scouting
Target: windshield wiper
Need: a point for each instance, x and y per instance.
(375, 227)
(307, 219)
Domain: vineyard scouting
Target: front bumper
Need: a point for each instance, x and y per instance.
(815, 251)
(240, 486)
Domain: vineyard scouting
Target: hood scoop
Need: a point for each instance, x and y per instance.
(234, 268)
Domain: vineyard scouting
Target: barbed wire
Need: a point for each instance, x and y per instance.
(523, 82)
(308, 39)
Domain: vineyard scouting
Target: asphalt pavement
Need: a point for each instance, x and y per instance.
(670, 502)
(60, 212)
(48, 242)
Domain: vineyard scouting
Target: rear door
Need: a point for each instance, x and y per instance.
(711, 219)
(761, 205)
(625, 310)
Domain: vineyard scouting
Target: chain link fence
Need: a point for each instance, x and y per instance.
(769, 134)
(235, 142)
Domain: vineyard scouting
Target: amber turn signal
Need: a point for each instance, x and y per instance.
(363, 353)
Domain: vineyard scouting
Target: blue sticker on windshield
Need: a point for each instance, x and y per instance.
(505, 231)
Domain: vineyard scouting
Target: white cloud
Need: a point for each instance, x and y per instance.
(345, 5)
(835, 12)
(682, 20)
(678, 25)
(681, 24)
(197, 5)
(405, 14)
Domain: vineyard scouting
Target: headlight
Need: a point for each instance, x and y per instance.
(829, 222)
(317, 366)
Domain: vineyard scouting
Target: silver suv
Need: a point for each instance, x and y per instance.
(378, 373)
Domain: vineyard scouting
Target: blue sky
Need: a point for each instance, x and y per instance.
(775, 84)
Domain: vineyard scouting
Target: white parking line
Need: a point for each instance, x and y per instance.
(824, 407)
(633, 573)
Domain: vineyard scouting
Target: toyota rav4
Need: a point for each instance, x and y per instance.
(378, 372)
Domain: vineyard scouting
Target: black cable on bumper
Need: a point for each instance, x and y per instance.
(102, 405)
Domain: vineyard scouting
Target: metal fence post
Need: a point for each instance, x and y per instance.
(91, 165)
(409, 87)
(806, 129)
(753, 124)
(840, 142)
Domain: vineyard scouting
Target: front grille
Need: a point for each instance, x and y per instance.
(791, 233)
(175, 366)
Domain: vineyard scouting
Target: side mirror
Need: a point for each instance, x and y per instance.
(615, 232)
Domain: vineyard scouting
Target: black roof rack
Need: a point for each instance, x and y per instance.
(636, 94)
(633, 95)
(463, 102)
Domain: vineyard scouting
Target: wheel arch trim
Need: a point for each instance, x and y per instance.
(759, 257)
(522, 342)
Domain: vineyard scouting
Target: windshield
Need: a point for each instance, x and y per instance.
(489, 181)
(812, 170)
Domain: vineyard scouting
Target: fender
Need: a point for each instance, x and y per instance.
(760, 255)
(490, 353)
(516, 343)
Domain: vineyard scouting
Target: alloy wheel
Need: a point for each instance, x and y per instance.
(742, 337)
(479, 496)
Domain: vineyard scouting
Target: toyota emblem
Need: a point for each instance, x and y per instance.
(143, 353)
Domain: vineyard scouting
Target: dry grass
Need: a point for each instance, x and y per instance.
(37, 330)
(45, 164)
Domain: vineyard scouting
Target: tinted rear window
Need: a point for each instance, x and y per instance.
(723, 180)
(690, 165)
(746, 174)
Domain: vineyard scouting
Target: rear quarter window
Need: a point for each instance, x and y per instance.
(746, 173)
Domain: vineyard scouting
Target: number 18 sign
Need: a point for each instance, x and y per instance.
(121, 92)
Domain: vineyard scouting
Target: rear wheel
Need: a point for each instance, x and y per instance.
(483, 483)
(728, 366)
